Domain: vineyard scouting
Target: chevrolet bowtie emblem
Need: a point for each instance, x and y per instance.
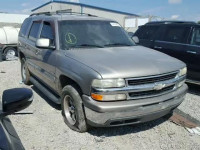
(159, 86)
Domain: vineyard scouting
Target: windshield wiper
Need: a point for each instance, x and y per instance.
(86, 45)
(117, 44)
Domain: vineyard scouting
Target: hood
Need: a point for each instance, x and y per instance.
(126, 62)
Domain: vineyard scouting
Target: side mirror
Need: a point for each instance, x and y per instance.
(15, 100)
(136, 39)
(44, 43)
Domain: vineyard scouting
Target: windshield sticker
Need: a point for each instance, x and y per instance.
(114, 24)
(70, 38)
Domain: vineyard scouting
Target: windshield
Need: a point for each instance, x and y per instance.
(92, 33)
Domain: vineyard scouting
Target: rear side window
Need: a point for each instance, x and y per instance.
(33, 35)
(176, 34)
(47, 32)
(24, 27)
(195, 37)
(147, 32)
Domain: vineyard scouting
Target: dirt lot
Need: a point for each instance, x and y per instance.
(46, 130)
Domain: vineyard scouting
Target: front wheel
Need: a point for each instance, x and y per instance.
(72, 109)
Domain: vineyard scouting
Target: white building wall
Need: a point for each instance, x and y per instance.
(132, 23)
(106, 14)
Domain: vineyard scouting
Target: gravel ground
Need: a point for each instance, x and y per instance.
(191, 105)
(46, 130)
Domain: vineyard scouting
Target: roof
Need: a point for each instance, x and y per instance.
(170, 22)
(57, 16)
(85, 5)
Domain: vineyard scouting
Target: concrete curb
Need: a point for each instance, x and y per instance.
(187, 116)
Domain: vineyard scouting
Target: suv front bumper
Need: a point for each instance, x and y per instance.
(105, 114)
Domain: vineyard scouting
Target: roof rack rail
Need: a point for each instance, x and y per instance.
(42, 13)
(168, 22)
(60, 12)
(72, 13)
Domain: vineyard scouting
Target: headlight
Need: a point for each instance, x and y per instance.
(182, 72)
(108, 83)
(115, 97)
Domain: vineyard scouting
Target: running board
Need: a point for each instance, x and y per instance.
(45, 91)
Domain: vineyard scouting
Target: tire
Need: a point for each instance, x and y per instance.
(9, 53)
(25, 72)
(72, 109)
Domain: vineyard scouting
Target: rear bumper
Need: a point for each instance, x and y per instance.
(105, 114)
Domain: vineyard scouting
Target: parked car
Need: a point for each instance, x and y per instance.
(178, 39)
(13, 100)
(95, 71)
(8, 42)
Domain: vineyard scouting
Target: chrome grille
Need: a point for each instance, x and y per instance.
(151, 92)
(165, 81)
(152, 79)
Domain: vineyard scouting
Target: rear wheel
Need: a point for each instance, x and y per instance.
(72, 109)
(10, 53)
(25, 72)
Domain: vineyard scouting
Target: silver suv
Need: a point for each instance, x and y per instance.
(96, 72)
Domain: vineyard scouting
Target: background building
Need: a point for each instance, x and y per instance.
(127, 20)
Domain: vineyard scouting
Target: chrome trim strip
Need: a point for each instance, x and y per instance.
(154, 76)
(137, 88)
(48, 75)
(193, 82)
(148, 96)
(177, 43)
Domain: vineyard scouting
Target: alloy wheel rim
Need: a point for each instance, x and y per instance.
(24, 72)
(69, 110)
(10, 54)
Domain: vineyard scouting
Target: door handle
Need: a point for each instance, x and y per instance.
(157, 47)
(37, 52)
(192, 52)
(27, 47)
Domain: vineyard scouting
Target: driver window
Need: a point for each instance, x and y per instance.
(47, 32)
(195, 40)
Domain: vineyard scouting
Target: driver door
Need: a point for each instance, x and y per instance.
(48, 56)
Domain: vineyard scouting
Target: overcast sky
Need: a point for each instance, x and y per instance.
(169, 9)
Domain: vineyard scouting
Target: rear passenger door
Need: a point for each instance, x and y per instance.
(173, 41)
(146, 35)
(23, 38)
(33, 61)
(192, 56)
